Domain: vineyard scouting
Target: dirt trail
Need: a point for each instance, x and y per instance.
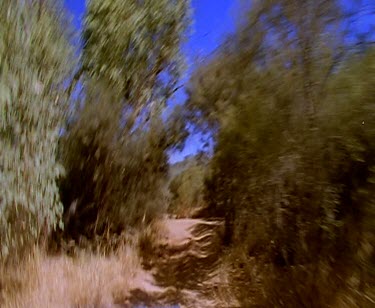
(184, 268)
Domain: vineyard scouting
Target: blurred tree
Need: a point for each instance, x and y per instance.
(134, 48)
(292, 171)
(131, 64)
(36, 59)
(301, 43)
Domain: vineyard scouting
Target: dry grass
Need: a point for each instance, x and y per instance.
(259, 284)
(84, 281)
(88, 279)
(179, 248)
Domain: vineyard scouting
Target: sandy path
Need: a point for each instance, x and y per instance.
(186, 271)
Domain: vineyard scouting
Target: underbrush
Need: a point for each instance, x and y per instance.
(147, 243)
(187, 187)
(258, 283)
(75, 278)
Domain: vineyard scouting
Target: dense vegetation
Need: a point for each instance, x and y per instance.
(36, 59)
(293, 167)
(288, 101)
(117, 143)
(186, 186)
(82, 137)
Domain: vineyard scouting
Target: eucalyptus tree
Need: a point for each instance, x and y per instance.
(131, 65)
(36, 59)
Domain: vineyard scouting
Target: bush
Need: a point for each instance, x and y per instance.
(293, 168)
(300, 200)
(187, 188)
(111, 185)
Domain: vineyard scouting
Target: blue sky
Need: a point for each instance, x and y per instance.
(212, 20)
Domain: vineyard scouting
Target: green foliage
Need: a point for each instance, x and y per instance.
(118, 142)
(36, 59)
(123, 182)
(293, 167)
(187, 187)
(134, 47)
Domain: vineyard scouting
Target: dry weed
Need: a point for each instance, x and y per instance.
(86, 280)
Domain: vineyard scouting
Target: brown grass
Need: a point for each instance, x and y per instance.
(86, 280)
(104, 279)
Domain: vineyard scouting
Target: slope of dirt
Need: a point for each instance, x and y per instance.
(185, 267)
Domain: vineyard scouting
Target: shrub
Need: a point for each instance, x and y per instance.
(115, 148)
(112, 185)
(187, 188)
(292, 170)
